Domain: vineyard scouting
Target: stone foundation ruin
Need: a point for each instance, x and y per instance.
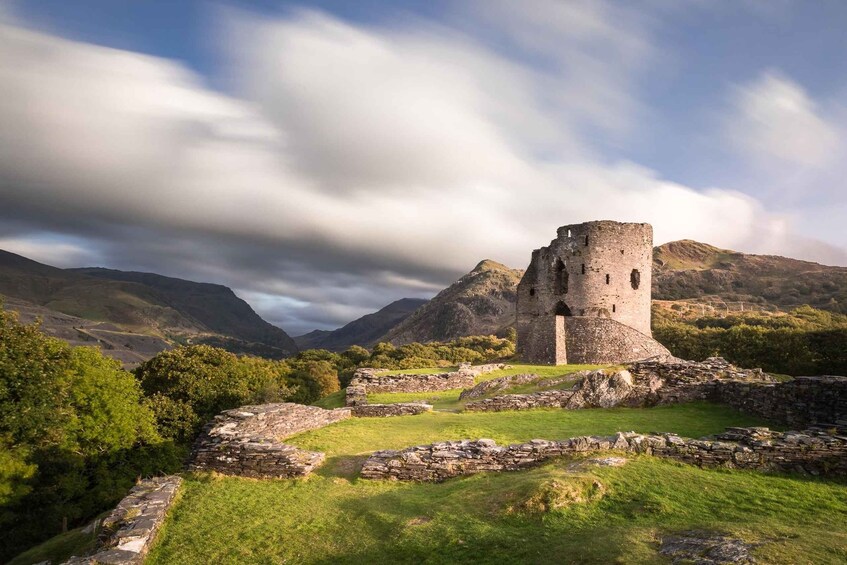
(814, 451)
(247, 441)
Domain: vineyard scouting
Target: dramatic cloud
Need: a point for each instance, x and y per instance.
(350, 165)
(776, 119)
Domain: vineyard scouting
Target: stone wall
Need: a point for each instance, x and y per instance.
(372, 380)
(602, 341)
(386, 410)
(488, 387)
(800, 402)
(129, 530)
(247, 441)
(642, 384)
(812, 451)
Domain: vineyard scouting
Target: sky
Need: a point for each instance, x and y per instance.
(326, 158)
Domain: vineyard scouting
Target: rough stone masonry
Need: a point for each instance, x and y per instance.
(814, 451)
(129, 530)
(247, 441)
(586, 297)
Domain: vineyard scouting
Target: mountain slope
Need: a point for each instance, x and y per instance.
(364, 331)
(215, 307)
(137, 304)
(480, 303)
(689, 269)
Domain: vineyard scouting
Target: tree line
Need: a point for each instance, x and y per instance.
(804, 341)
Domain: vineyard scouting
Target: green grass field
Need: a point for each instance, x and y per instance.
(533, 516)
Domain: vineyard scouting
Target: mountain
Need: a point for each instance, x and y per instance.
(130, 305)
(480, 303)
(364, 331)
(688, 269)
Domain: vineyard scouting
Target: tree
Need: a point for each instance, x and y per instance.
(200, 381)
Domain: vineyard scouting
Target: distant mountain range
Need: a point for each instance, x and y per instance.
(365, 331)
(134, 315)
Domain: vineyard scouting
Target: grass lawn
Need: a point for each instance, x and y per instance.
(544, 515)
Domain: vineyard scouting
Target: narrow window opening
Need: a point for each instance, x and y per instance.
(532, 292)
(614, 308)
(561, 278)
(569, 233)
(586, 241)
(635, 278)
(607, 279)
(583, 268)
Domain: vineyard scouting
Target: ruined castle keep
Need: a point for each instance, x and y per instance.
(585, 298)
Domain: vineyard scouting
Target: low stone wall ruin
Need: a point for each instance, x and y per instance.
(128, 532)
(494, 385)
(799, 402)
(644, 383)
(247, 441)
(812, 451)
(374, 381)
(386, 410)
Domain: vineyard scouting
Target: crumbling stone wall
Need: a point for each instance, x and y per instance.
(642, 384)
(247, 442)
(812, 451)
(488, 387)
(591, 270)
(800, 402)
(387, 410)
(129, 530)
(372, 380)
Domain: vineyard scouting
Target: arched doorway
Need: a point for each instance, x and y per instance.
(562, 309)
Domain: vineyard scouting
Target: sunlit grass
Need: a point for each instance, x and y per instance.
(335, 517)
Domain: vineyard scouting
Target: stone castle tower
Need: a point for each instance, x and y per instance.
(586, 297)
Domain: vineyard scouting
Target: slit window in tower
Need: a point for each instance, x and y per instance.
(635, 278)
(561, 278)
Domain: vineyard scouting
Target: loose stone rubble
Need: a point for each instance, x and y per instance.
(813, 451)
(247, 441)
(706, 548)
(128, 532)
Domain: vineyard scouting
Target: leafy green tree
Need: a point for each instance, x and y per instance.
(201, 381)
(75, 432)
